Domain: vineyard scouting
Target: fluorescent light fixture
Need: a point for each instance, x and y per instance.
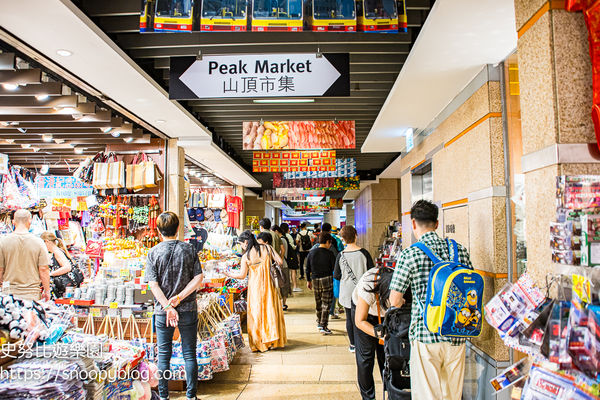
(66, 110)
(42, 97)
(47, 138)
(64, 52)
(279, 101)
(78, 150)
(9, 140)
(59, 141)
(10, 86)
(128, 139)
(22, 130)
(107, 129)
(160, 121)
(44, 170)
(25, 146)
(115, 134)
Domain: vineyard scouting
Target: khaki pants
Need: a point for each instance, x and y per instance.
(437, 370)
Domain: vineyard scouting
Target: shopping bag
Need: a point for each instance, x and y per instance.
(205, 372)
(116, 175)
(135, 173)
(218, 355)
(152, 174)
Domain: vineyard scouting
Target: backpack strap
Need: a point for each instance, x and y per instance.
(453, 249)
(428, 252)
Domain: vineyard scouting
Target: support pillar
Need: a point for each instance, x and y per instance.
(175, 182)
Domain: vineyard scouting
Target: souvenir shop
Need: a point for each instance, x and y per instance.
(105, 212)
(554, 330)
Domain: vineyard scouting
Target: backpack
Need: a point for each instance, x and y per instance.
(292, 257)
(338, 243)
(305, 242)
(454, 296)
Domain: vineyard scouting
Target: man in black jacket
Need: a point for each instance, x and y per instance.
(319, 275)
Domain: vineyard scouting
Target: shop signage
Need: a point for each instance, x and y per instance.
(291, 161)
(61, 187)
(259, 75)
(410, 141)
(298, 135)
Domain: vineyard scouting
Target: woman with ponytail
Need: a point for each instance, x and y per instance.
(266, 325)
(63, 271)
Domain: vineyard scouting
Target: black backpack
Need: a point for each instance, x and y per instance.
(305, 242)
(292, 256)
(397, 353)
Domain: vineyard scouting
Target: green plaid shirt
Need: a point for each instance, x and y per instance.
(412, 269)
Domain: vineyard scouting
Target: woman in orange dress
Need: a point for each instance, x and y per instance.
(266, 324)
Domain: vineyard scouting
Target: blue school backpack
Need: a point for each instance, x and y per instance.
(454, 300)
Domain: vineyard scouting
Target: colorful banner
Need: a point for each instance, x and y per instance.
(347, 183)
(299, 135)
(345, 168)
(308, 183)
(50, 187)
(293, 161)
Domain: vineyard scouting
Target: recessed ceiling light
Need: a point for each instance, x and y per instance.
(25, 145)
(59, 141)
(42, 97)
(275, 101)
(160, 121)
(115, 134)
(35, 149)
(78, 150)
(10, 86)
(128, 139)
(64, 53)
(4, 123)
(47, 138)
(107, 129)
(71, 145)
(9, 140)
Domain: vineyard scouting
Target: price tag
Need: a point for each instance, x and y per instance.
(114, 304)
(71, 302)
(95, 312)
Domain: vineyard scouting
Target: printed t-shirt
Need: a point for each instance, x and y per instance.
(234, 206)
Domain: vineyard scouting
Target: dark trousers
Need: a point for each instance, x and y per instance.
(350, 325)
(303, 255)
(323, 289)
(367, 347)
(188, 330)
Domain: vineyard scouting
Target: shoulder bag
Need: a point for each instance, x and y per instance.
(276, 272)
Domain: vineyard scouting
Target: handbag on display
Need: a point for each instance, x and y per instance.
(94, 249)
(109, 174)
(135, 173)
(152, 174)
(216, 200)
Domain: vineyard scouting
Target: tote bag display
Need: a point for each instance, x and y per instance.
(135, 174)
(109, 174)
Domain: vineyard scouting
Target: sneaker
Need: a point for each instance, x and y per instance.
(334, 316)
(326, 331)
(297, 290)
(352, 348)
(319, 328)
(301, 278)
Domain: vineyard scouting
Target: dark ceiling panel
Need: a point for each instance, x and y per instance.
(375, 61)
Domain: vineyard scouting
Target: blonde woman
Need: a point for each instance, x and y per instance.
(63, 271)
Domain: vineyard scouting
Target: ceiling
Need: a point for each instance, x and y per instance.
(445, 58)
(375, 61)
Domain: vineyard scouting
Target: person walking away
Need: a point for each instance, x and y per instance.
(437, 363)
(350, 266)
(335, 248)
(371, 299)
(63, 271)
(174, 275)
(286, 290)
(292, 255)
(24, 262)
(319, 276)
(266, 324)
(304, 243)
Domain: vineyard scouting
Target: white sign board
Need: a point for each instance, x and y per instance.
(260, 75)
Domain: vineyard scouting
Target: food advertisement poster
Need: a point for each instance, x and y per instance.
(291, 161)
(299, 135)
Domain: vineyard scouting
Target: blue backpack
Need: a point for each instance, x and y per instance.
(454, 300)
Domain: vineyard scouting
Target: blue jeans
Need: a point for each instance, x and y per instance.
(188, 330)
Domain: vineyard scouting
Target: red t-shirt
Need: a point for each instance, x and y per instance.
(234, 206)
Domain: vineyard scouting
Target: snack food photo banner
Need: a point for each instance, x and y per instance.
(299, 135)
(259, 75)
(292, 161)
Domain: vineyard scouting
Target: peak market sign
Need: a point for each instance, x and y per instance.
(259, 75)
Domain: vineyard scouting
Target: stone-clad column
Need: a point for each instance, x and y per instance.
(175, 184)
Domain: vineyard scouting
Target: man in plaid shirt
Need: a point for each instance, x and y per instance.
(437, 363)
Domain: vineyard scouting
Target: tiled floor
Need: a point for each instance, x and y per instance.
(312, 366)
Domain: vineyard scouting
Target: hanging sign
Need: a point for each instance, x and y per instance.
(344, 168)
(259, 75)
(61, 187)
(289, 161)
(298, 135)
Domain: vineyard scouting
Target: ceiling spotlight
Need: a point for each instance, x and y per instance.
(14, 123)
(78, 150)
(128, 139)
(107, 129)
(59, 141)
(160, 121)
(9, 140)
(44, 170)
(4, 123)
(64, 53)
(42, 97)
(47, 138)
(25, 146)
(10, 86)
(115, 133)
(22, 130)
